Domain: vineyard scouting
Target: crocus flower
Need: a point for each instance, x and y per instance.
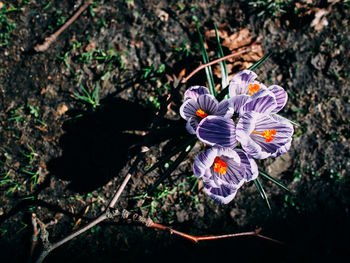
(224, 171)
(217, 131)
(243, 87)
(261, 134)
(264, 135)
(199, 104)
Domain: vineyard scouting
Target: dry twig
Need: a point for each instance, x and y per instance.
(110, 211)
(49, 40)
(203, 66)
(149, 223)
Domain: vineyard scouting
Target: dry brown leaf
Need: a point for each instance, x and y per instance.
(238, 39)
(320, 20)
(236, 42)
(211, 34)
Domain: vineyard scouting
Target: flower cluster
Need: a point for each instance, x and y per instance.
(247, 118)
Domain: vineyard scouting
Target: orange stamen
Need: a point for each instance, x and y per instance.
(269, 135)
(253, 88)
(220, 166)
(201, 113)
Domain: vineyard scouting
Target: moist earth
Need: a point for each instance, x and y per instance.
(64, 153)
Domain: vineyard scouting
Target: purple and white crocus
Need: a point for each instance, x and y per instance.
(224, 171)
(243, 87)
(259, 130)
(199, 104)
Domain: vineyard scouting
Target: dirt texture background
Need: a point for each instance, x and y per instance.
(63, 158)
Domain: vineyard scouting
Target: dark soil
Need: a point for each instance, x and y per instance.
(63, 159)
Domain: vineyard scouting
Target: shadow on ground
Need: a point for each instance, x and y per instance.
(98, 144)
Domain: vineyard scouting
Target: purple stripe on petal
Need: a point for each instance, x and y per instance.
(280, 95)
(208, 103)
(195, 91)
(203, 162)
(254, 143)
(188, 109)
(230, 153)
(191, 125)
(235, 173)
(240, 82)
(217, 131)
(244, 129)
(282, 150)
(245, 126)
(225, 109)
(222, 193)
(263, 101)
(238, 102)
(251, 168)
(284, 129)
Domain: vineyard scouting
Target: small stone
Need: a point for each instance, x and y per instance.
(62, 109)
(280, 165)
(182, 216)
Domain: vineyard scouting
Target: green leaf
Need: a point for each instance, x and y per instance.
(171, 168)
(270, 178)
(262, 192)
(220, 53)
(208, 70)
(187, 145)
(292, 122)
(258, 64)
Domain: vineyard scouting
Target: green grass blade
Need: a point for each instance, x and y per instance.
(167, 157)
(85, 91)
(223, 68)
(208, 71)
(95, 95)
(83, 98)
(262, 192)
(258, 64)
(292, 122)
(270, 178)
(171, 168)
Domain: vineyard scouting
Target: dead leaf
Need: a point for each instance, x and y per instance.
(237, 42)
(238, 39)
(61, 109)
(320, 20)
(91, 46)
(163, 16)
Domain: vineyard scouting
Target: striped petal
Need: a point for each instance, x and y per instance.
(237, 102)
(250, 130)
(225, 109)
(195, 91)
(251, 168)
(208, 103)
(240, 82)
(217, 131)
(189, 108)
(204, 161)
(192, 124)
(220, 193)
(222, 186)
(280, 95)
(263, 101)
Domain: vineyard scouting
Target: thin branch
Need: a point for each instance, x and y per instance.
(110, 212)
(36, 232)
(203, 66)
(149, 223)
(49, 40)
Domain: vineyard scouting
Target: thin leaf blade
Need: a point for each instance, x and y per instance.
(220, 53)
(262, 192)
(208, 71)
